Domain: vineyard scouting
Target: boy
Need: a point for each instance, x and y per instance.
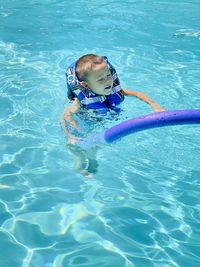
(93, 84)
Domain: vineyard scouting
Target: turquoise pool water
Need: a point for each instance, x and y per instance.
(142, 207)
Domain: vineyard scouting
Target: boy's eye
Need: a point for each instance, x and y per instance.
(103, 78)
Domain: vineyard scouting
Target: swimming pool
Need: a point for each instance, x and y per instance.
(142, 207)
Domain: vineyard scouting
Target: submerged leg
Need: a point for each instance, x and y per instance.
(85, 160)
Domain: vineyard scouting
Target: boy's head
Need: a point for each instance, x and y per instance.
(93, 72)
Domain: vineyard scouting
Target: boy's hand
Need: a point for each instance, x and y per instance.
(157, 108)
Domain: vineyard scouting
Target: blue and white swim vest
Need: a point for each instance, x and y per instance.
(87, 98)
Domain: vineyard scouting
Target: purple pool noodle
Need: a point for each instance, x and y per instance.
(154, 120)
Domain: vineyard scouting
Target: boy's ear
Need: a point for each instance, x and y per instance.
(84, 84)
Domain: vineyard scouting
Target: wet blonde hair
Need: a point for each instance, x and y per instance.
(86, 64)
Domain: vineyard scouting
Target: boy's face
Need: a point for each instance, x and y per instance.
(100, 80)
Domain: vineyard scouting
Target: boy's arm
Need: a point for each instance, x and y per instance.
(67, 116)
(143, 97)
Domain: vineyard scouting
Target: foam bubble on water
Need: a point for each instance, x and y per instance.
(187, 33)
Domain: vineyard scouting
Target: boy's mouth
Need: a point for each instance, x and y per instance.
(107, 88)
